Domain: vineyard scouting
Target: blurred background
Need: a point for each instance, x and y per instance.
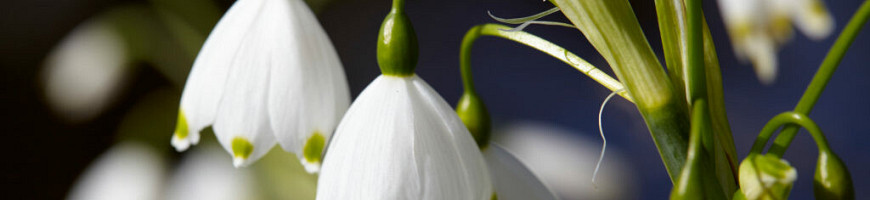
(55, 130)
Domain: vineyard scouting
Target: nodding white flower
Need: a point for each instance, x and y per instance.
(511, 178)
(203, 174)
(565, 162)
(83, 74)
(766, 177)
(267, 72)
(758, 27)
(400, 140)
(126, 171)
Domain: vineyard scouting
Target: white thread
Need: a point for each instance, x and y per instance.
(604, 139)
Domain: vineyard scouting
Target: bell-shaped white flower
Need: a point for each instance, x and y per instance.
(400, 140)
(126, 171)
(765, 177)
(83, 74)
(758, 27)
(267, 72)
(203, 174)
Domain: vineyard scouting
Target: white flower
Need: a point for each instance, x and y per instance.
(203, 174)
(564, 161)
(267, 72)
(766, 177)
(758, 27)
(400, 140)
(511, 178)
(130, 171)
(85, 71)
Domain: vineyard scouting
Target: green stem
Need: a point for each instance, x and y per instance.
(536, 43)
(789, 118)
(820, 80)
(697, 75)
(399, 5)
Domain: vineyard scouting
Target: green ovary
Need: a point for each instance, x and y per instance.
(181, 125)
(242, 148)
(314, 147)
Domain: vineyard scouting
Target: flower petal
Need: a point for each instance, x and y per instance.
(812, 18)
(203, 174)
(308, 90)
(207, 80)
(126, 171)
(397, 141)
(512, 179)
(84, 72)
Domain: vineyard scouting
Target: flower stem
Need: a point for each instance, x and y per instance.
(820, 80)
(536, 43)
(697, 74)
(789, 118)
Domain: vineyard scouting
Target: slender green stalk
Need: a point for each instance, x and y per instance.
(820, 80)
(789, 118)
(695, 50)
(536, 43)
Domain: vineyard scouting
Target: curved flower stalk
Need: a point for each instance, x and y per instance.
(85, 71)
(267, 72)
(759, 27)
(400, 139)
(128, 170)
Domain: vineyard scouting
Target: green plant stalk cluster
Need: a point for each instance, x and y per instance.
(612, 28)
(823, 75)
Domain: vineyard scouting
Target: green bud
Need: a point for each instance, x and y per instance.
(766, 177)
(832, 180)
(474, 115)
(397, 44)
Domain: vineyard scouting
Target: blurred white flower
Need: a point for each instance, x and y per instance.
(510, 177)
(400, 140)
(565, 161)
(204, 174)
(758, 27)
(267, 72)
(83, 73)
(127, 171)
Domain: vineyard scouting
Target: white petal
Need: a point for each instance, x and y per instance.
(128, 171)
(564, 161)
(84, 72)
(308, 89)
(207, 80)
(762, 52)
(400, 140)
(242, 114)
(812, 18)
(511, 178)
(204, 174)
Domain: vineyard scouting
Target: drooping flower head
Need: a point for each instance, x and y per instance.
(400, 139)
(759, 27)
(267, 72)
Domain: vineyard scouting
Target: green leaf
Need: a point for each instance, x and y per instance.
(612, 28)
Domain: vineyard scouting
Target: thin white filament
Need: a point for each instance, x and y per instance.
(604, 139)
(520, 20)
(525, 24)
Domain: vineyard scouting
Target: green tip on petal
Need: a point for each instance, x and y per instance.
(181, 130)
(314, 147)
(494, 196)
(397, 44)
(242, 148)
